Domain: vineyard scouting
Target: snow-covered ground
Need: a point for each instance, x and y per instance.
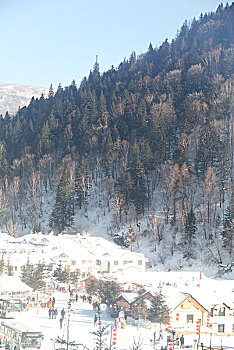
(81, 328)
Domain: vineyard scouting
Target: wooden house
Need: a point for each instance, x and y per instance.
(187, 313)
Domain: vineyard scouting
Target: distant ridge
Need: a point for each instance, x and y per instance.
(13, 96)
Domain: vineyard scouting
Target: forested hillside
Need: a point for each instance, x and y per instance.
(150, 140)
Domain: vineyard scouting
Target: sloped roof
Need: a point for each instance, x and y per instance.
(13, 284)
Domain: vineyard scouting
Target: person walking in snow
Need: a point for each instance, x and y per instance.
(95, 320)
(182, 342)
(55, 313)
(50, 312)
(63, 313)
(61, 322)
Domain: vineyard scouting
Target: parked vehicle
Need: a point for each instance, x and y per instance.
(19, 336)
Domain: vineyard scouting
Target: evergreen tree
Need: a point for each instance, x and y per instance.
(159, 311)
(82, 183)
(63, 212)
(34, 275)
(51, 91)
(9, 268)
(190, 226)
(106, 289)
(101, 334)
(137, 173)
(61, 274)
(39, 272)
(27, 273)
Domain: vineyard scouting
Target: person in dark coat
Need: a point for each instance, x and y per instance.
(61, 322)
(95, 320)
(50, 313)
(77, 297)
(63, 313)
(55, 313)
(182, 342)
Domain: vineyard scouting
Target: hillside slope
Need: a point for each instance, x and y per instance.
(142, 153)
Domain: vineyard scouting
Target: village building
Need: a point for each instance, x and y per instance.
(222, 319)
(187, 314)
(82, 254)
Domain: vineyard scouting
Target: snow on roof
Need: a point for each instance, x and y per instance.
(129, 297)
(13, 284)
(176, 285)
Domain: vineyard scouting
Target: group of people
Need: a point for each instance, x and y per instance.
(179, 341)
(53, 312)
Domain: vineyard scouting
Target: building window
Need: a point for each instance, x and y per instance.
(73, 262)
(127, 262)
(233, 328)
(98, 262)
(221, 328)
(116, 263)
(139, 262)
(221, 311)
(189, 318)
(83, 261)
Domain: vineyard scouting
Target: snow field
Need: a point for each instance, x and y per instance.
(81, 327)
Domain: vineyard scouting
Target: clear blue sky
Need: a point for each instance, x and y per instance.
(56, 41)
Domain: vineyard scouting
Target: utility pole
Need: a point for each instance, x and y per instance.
(68, 321)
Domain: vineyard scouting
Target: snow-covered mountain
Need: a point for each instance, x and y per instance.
(13, 96)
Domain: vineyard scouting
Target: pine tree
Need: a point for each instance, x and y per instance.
(51, 91)
(63, 212)
(61, 274)
(190, 226)
(106, 289)
(27, 273)
(159, 311)
(9, 268)
(34, 275)
(82, 183)
(139, 180)
(101, 334)
(38, 281)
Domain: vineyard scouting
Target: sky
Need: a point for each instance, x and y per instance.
(55, 41)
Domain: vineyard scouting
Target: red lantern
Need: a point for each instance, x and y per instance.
(198, 327)
(114, 336)
(177, 317)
